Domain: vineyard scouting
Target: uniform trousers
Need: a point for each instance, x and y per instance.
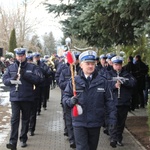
(86, 138)
(45, 95)
(64, 118)
(116, 133)
(68, 121)
(24, 107)
(39, 100)
(33, 115)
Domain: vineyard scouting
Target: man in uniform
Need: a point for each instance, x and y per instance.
(121, 83)
(33, 114)
(94, 96)
(103, 63)
(63, 80)
(21, 95)
(46, 73)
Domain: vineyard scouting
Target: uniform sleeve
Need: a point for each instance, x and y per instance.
(7, 77)
(34, 77)
(110, 105)
(62, 81)
(48, 72)
(57, 74)
(130, 83)
(68, 93)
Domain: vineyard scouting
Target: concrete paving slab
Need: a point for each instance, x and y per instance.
(49, 131)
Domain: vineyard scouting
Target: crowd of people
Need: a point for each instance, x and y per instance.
(29, 79)
(101, 87)
(127, 85)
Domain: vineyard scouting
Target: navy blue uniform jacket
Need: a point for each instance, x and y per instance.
(31, 76)
(94, 100)
(126, 88)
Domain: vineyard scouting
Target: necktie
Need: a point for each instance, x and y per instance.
(89, 80)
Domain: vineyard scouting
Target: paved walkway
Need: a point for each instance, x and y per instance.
(49, 131)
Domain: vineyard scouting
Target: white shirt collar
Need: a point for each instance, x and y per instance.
(86, 76)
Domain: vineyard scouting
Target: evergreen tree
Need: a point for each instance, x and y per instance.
(49, 43)
(104, 22)
(12, 41)
(35, 44)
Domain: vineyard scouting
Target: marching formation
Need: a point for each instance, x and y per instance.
(96, 93)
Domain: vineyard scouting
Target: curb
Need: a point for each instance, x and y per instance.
(142, 147)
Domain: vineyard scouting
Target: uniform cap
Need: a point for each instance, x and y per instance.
(110, 56)
(20, 51)
(36, 54)
(46, 56)
(88, 56)
(117, 59)
(76, 54)
(30, 57)
(103, 56)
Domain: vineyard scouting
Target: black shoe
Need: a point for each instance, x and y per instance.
(142, 106)
(10, 146)
(38, 113)
(72, 145)
(44, 108)
(106, 131)
(120, 144)
(31, 133)
(133, 109)
(113, 144)
(65, 134)
(23, 144)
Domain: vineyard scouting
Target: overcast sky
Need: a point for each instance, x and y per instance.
(45, 22)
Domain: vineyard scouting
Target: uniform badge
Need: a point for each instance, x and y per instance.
(100, 90)
(90, 52)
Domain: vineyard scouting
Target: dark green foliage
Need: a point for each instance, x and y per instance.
(12, 41)
(105, 22)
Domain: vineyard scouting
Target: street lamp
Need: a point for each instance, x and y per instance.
(68, 42)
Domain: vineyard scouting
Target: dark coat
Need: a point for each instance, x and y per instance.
(58, 71)
(140, 74)
(94, 100)
(131, 68)
(64, 77)
(46, 73)
(126, 87)
(30, 76)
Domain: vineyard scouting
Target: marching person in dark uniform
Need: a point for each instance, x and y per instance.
(98, 64)
(102, 69)
(141, 72)
(56, 61)
(94, 96)
(122, 84)
(63, 80)
(109, 62)
(48, 83)
(21, 77)
(33, 114)
(46, 73)
(60, 66)
(103, 63)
